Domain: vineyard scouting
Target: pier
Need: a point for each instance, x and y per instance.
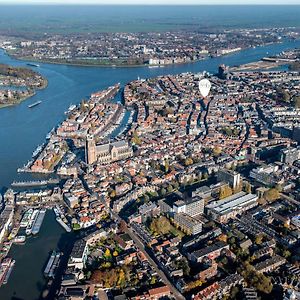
(35, 183)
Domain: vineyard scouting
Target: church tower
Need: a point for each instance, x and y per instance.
(90, 150)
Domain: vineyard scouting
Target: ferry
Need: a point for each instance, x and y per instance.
(52, 264)
(19, 239)
(38, 223)
(6, 267)
(34, 104)
(63, 224)
(26, 218)
(32, 221)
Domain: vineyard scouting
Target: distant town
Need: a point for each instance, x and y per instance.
(191, 198)
(133, 49)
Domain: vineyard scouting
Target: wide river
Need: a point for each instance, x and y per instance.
(22, 129)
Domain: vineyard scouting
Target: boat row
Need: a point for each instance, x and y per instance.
(37, 151)
(26, 217)
(35, 221)
(52, 264)
(6, 267)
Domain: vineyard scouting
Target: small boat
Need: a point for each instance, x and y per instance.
(19, 239)
(34, 104)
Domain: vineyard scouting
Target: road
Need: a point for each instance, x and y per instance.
(290, 199)
(141, 247)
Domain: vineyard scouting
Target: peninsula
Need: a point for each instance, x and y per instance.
(18, 84)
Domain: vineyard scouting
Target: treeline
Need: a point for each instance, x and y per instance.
(283, 95)
(23, 73)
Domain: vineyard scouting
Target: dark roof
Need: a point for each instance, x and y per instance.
(78, 249)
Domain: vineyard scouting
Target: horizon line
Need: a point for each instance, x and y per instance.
(145, 4)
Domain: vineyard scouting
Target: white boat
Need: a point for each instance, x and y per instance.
(19, 239)
(32, 221)
(57, 214)
(63, 224)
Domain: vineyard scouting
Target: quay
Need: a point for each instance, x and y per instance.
(34, 183)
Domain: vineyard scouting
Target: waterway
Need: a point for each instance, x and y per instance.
(22, 129)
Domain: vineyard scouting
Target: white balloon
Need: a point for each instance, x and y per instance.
(204, 87)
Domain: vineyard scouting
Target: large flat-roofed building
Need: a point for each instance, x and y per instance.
(229, 207)
(290, 155)
(187, 223)
(79, 254)
(191, 207)
(107, 153)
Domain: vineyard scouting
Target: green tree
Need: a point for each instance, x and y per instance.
(247, 187)
(225, 191)
(297, 101)
(272, 194)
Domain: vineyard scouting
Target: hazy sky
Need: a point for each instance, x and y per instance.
(150, 2)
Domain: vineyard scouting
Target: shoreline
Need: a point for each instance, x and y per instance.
(20, 101)
(45, 61)
(29, 59)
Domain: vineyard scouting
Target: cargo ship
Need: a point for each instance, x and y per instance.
(34, 104)
(52, 264)
(26, 218)
(38, 223)
(6, 267)
(32, 221)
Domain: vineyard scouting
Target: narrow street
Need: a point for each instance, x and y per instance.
(141, 247)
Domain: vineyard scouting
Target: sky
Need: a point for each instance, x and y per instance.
(149, 2)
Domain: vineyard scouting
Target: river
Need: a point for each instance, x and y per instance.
(22, 129)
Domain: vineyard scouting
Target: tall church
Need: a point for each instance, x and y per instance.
(107, 153)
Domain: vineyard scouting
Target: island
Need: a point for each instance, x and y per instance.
(18, 83)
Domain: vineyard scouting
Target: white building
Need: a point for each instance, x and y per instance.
(228, 208)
